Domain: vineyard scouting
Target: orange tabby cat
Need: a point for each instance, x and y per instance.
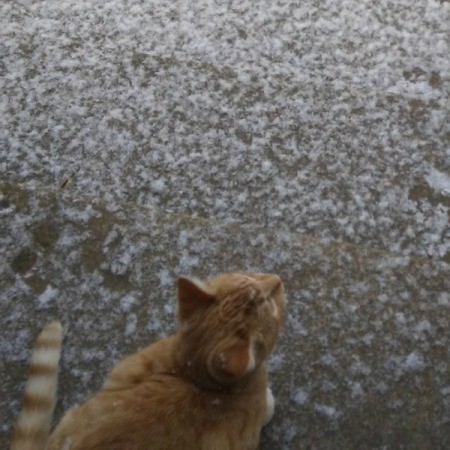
(203, 388)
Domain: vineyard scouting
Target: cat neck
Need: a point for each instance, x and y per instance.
(195, 373)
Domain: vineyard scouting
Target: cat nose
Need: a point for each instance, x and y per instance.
(269, 283)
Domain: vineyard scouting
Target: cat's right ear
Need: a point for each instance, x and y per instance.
(193, 296)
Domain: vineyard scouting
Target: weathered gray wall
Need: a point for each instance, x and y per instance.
(308, 139)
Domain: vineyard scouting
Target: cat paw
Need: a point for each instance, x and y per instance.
(270, 406)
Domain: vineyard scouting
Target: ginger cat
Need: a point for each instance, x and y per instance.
(204, 387)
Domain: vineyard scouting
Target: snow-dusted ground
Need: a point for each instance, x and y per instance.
(363, 361)
(307, 138)
(325, 117)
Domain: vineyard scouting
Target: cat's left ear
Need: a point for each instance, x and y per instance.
(193, 296)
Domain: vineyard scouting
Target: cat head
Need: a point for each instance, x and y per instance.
(229, 324)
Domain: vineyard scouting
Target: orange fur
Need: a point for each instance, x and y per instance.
(203, 388)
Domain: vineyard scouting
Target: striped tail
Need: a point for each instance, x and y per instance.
(33, 425)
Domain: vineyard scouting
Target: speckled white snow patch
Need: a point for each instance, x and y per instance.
(315, 117)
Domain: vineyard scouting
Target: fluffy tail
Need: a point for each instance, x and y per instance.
(33, 425)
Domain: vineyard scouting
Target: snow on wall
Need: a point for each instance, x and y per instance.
(364, 343)
(313, 136)
(328, 118)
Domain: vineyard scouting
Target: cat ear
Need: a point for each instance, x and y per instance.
(234, 362)
(193, 295)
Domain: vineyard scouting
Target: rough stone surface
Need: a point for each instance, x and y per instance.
(144, 140)
(363, 361)
(329, 118)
